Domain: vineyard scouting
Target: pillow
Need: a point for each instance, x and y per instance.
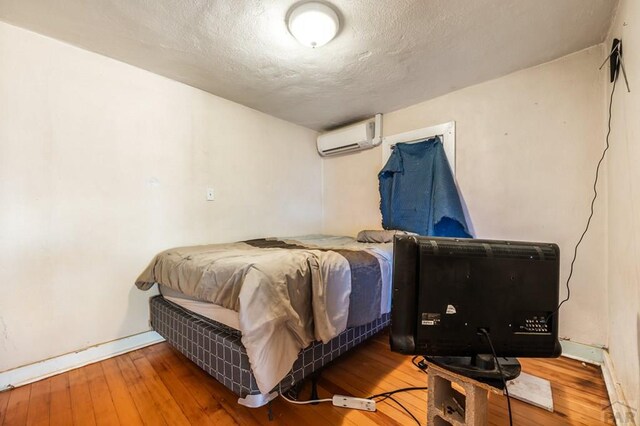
(380, 236)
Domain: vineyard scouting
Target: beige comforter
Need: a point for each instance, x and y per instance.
(285, 298)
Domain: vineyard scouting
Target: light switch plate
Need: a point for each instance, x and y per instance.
(210, 196)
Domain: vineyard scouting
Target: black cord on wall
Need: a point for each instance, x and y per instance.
(593, 201)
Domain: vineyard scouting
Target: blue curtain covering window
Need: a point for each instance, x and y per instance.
(418, 192)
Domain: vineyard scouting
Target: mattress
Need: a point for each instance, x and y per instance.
(206, 309)
(230, 317)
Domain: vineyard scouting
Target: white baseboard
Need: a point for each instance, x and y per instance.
(622, 412)
(52, 366)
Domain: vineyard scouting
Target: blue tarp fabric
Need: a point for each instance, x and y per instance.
(418, 192)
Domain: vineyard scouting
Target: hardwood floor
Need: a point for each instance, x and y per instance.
(158, 386)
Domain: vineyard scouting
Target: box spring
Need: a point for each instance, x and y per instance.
(218, 350)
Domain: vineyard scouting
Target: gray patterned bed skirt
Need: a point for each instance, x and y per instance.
(217, 349)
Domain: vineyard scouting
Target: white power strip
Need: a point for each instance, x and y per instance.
(352, 402)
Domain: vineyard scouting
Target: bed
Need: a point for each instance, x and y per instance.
(261, 315)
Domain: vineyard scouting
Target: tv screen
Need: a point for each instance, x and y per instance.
(446, 290)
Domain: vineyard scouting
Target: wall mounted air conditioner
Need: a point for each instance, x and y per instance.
(356, 137)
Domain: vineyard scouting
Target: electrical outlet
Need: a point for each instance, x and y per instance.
(210, 196)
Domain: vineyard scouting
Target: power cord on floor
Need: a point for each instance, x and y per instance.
(504, 382)
(405, 409)
(420, 365)
(383, 395)
(311, 401)
(387, 395)
(409, 389)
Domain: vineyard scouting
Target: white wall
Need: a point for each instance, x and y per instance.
(624, 208)
(527, 145)
(101, 166)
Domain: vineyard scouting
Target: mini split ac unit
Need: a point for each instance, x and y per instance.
(356, 137)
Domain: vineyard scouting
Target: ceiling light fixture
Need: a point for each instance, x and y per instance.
(313, 24)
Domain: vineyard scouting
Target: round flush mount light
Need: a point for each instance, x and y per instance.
(313, 24)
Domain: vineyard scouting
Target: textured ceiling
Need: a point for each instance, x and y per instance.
(389, 53)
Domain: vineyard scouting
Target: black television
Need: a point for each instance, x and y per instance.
(449, 292)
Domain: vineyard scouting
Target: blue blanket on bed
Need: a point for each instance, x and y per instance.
(418, 192)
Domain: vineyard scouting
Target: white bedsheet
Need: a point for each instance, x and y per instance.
(209, 310)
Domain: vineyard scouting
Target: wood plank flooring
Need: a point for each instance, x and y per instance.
(158, 386)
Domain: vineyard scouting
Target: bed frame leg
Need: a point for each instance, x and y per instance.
(270, 411)
(314, 387)
(294, 391)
